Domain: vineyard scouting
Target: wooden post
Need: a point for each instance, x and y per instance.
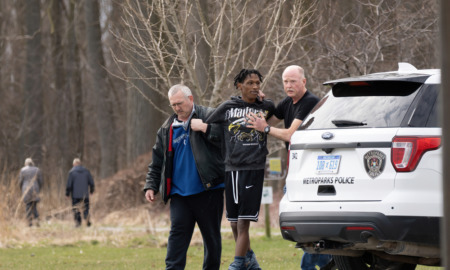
(267, 217)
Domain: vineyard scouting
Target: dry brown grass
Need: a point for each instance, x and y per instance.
(117, 228)
(118, 213)
(117, 207)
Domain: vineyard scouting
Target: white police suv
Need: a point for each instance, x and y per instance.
(365, 173)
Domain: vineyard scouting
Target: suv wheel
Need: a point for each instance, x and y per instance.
(369, 261)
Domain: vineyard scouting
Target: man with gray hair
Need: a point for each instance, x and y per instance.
(30, 182)
(80, 183)
(188, 169)
(292, 109)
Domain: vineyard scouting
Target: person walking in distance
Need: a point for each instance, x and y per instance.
(188, 169)
(79, 185)
(30, 182)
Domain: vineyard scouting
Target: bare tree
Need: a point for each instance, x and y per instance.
(31, 129)
(59, 110)
(203, 44)
(73, 83)
(364, 36)
(142, 119)
(11, 86)
(103, 97)
(199, 43)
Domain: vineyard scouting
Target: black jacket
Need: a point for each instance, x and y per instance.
(206, 150)
(78, 183)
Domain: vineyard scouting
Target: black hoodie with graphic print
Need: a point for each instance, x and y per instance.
(244, 148)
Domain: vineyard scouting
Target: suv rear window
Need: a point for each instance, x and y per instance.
(363, 104)
(424, 109)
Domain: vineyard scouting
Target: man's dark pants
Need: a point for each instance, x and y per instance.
(31, 210)
(206, 210)
(82, 203)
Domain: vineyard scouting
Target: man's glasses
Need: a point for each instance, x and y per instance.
(176, 104)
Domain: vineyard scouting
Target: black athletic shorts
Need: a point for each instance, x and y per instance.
(243, 191)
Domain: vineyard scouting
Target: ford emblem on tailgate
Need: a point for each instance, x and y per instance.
(327, 136)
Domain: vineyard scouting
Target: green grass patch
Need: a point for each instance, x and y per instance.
(141, 253)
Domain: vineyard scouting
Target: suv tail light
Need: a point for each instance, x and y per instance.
(407, 151)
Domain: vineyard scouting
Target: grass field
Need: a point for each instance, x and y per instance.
(272, 254)
(64, 247)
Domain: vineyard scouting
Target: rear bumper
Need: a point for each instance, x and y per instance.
(356, 227)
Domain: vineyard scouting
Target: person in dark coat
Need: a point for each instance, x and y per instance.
(30, 181)
(79, 184)
(187, 169)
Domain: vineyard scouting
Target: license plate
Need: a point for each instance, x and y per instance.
(327, 164)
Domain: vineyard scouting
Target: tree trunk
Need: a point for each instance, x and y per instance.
(76, 133)
(60, 99)
(32, 121)
(103, 103)
(143, 120)
(202, 61)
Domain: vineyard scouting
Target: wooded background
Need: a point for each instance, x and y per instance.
(89, 78)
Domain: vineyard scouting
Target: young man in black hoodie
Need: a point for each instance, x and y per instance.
(245, 159)
(294, 108)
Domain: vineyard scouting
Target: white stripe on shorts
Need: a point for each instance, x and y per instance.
(250, 217)
(235, 186)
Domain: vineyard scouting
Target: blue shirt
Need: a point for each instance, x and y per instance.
(185, 178)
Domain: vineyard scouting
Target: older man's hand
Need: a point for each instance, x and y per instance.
(150, 195)
(198, 125)
(255, 121)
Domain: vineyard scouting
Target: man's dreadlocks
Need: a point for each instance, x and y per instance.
(240, 78)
